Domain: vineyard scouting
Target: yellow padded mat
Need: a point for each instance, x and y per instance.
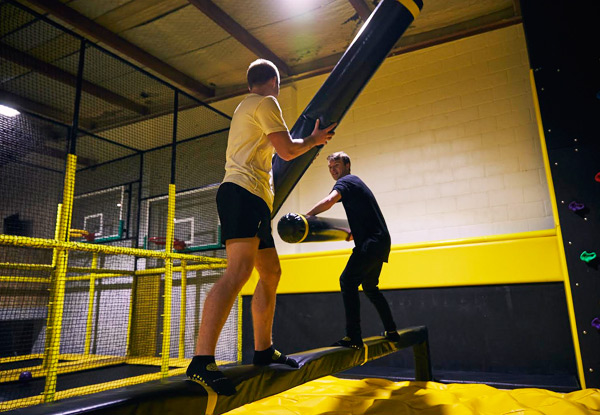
(333, 396)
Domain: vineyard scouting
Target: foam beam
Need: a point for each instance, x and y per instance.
(178, 396)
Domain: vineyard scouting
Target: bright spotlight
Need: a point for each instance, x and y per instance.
(299, 7)
(8, 111)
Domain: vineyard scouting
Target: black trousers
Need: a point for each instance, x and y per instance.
(363, 269)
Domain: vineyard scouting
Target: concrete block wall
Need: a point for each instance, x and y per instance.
(446, 138)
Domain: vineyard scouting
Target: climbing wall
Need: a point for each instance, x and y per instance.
(566, 69)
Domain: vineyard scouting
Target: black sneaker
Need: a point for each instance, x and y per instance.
(350, 342)
(392, 336)
(209, 376)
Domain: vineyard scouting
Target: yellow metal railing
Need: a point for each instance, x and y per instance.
(57, 288)
(182, 313)
(24, 241)
(166, 344)
(52, 361)
(90, 313)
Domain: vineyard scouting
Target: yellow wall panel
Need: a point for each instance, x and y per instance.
(531, 257)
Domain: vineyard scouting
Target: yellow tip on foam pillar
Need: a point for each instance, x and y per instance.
(411, 6)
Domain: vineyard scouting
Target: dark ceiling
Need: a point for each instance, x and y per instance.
(204, 46)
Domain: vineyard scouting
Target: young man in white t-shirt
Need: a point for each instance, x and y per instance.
(244, 203)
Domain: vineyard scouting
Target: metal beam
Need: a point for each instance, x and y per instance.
(46, 111)
(238, 32)
(134, 13)
(114, 41)
(54, 72)
(62, 155)
(25, 104)
(361, 8)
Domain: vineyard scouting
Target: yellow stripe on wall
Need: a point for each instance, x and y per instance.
(530, 257)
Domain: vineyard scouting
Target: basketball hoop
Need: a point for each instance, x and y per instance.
(161, 240)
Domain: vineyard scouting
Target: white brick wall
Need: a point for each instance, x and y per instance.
(445, 137)
(447, 140)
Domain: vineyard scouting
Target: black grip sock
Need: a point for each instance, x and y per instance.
(204, 371)
(392, 335)
(271, 355)
(352, 342)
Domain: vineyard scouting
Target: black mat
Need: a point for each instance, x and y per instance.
(17, 390)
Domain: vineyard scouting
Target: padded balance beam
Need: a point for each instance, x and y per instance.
(295, 228)
(177, 395)
(366, 53)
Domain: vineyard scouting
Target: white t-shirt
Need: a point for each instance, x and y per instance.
(249, 150)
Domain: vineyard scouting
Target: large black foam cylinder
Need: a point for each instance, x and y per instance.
(295, 228)
(379, 34)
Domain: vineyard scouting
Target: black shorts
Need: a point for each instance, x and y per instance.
(243, 215)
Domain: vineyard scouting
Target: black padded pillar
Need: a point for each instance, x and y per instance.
(381, 31)
(295, 228)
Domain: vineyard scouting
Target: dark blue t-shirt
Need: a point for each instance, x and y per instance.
(366, 221)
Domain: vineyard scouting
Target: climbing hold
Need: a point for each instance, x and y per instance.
(597, 178)
(587, 256)
(596, 323)
(574, 206)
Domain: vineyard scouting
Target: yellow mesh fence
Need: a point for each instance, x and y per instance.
(110, 238)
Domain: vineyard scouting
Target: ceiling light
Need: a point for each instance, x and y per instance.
(8, 111)
(299, 7)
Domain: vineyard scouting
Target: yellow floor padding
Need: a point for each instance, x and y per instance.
(333, 396)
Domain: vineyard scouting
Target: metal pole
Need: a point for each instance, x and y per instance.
(174, 137)
(88, 327)
(168, 284)
(57, 290)
(182, 312)
(78, 88)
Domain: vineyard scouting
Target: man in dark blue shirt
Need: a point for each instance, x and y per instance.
(372, 248)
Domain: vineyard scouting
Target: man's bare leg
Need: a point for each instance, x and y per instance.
(263, 300)
(263, 309)
(241, 254)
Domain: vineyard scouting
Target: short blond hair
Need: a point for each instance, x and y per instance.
(261, 71)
